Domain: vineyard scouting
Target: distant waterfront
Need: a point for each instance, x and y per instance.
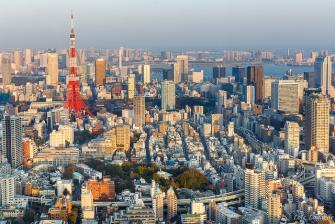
(274, 70)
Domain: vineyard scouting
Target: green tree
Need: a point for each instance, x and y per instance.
(192, 179)
(28, 216)
(68, 171)
(82, 137)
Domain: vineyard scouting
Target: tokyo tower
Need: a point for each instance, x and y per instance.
(74, 103)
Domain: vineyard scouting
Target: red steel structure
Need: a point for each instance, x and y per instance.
(74, 103)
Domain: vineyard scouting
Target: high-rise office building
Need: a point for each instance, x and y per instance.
(168, 95)
(171, 203)
(298, 57)
(43, 59)
(176, 73)
(100, 72)
(139, 110)
(316, 121)
(6, 71)
(219, 72)
(292, 138)
(222, 101)
(311, 78)
(274, 208)
(52, 69)
(250, 95)
(255, 191)
(182, 61)
(285, 96)
(131, 86)
(323, 72)
(168, 73)
(140, 69)
(146, 74)
(12, 140)
(7, 189)
(217, 123)
(239, 73)
(268, 86)
(122, 137)
(81, 56)
(255, 77)
(82, 73)
(120, 57)
(27, 57)
(18, 60)
(158, 205)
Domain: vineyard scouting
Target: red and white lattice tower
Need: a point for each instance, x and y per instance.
(74, 103)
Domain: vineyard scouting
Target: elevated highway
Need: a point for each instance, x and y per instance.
(231, 198)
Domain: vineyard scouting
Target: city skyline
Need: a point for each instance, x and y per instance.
(157, 24)
(123, 133)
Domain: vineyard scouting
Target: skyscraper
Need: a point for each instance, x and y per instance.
(139, 110)
(311, 78)
(27, 57)
(323, 72)
(239, 73)
(81, 56)
(18, 60)
(250, 95)
(182, 61)
(292, 138)
(82, 73)
(6, 71)
(171, 203)
(7, 189)
(131, 86)
(158, 204)
(100, 72)
(12, 140)
(122, 137)
(146, 74)
(285, 96)
(168, 95)
(222, 101)
(316, 121)
(52, 70)
(268, 86)
(255, 77)
(255, 191)
(219, 72)
(176, 73)
(274, 208)
(120, 57)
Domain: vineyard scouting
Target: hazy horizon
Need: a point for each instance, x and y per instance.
(171, 25)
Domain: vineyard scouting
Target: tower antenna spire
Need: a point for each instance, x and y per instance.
(72, 23)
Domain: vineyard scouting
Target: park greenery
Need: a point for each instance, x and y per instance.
(124, 174)
(81, 137)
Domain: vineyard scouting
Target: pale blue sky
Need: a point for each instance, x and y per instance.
(169, 24)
